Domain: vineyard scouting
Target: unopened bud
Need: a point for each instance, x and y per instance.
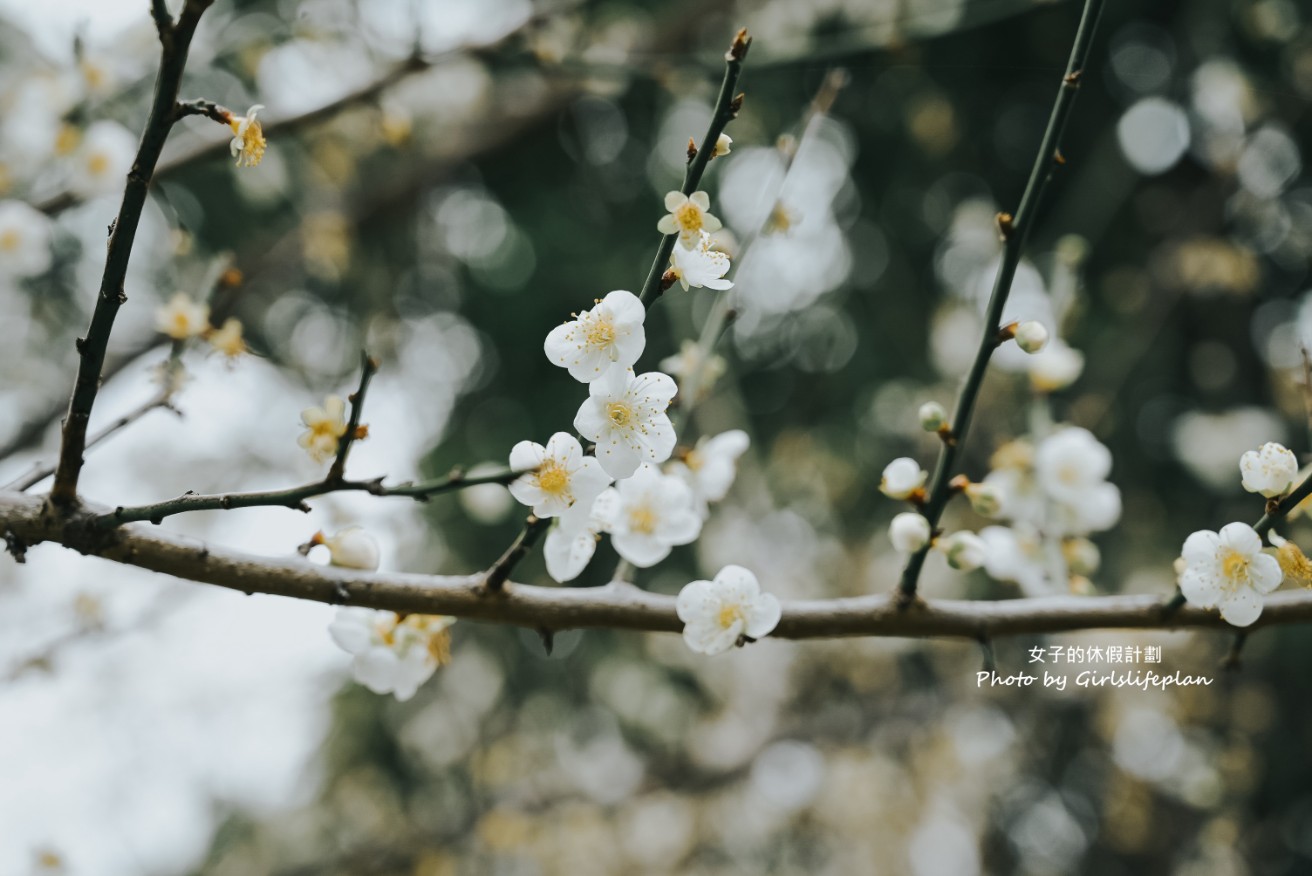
(909, 532)
(1082, 556)
(965, 551)
(932, 416)
(1031, 336)
(985, 499)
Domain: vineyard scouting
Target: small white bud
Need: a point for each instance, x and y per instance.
(985, 499)
(932, 416)
(722, 144)
(902, 477)
(353, 548)
(909, 532)
(1082, 556)
(1269, 470)
(965, 551)
(1031, 336)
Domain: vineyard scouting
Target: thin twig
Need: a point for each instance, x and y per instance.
(368, 368)
(726, 109)
(294, 497)
(1015, 231)
(519, 548)
(613, 606)
(173, 60)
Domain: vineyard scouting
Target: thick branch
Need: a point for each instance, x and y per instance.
(173, 60)
(1015, 231)
(614, 606)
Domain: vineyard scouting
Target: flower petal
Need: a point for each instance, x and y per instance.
(1241, 607)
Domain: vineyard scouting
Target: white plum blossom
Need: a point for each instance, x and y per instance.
(1227, 569)
(352, 548)
(610, 334)
(1071, 467)
(722, 144)
(902, 477)
(324, 428)
(688, 217)
(1055, 367)
(102, 161)
(985, 499)
(1031, 336)
(909, 532)
(1016, 553)
(651, 514)
(25, 234)
(965, 551)
(1269, 470)
(717, 613)
(392, 655)
(700, 266)
(572, 539)
(625, 416)
(182, 318)
(248, 143)
(710, 467)
(557, 476)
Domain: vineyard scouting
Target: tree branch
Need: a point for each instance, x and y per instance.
(173, 60)
(294, 497)
(1015, 231)
(726, 109)
(368, 368)
(614, 606)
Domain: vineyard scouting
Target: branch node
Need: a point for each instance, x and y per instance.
(16, 546)
(1006, 224)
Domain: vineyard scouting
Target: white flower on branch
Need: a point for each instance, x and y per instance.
(1031, 336)
(690, 357)
(324, 428)
(985, 499)
(717, 613)
(1269, 470)
(248, 143)
(1228, 569)
(1016, 554)
(901, 478)
(556, 476)
(625, 415)
(652, 513)
(392, 655)
(710, 467)
(611, 333)
(722, 146)
(182, 318)
(700, 266)
(1055, 367)
(965, 551)
(351, 548)
(909, 532)
(228, 340)
(102, 161)
(25, 234)
(572, 540)
(688, 217)
(1071, 468)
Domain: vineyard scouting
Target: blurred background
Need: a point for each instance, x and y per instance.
(508, 174)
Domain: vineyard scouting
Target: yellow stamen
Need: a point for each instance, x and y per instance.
(1234, 566)
(98, 163)
(729, 614)
(552, 477)
(10, 240)
(689, 217)
(600, 333)
(642, 520)
(619, 413)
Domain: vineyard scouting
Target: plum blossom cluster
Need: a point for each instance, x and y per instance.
(183, 318)
(1229, 569)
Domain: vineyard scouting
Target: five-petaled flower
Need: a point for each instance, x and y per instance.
(1269, 470)
(248, 143)
(611, 333)
(228, 339)
(1227, 569)
(710, 467)
(392, 655)
(324, 428)
(556, 476)
(700, 265)
(652, 513)
(717, 613)
(688, 217)
(625, 415)
(182, 317)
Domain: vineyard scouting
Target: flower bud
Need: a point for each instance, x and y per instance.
(722, 144)
(932, 416)
(965, 551)
(353, 548)
(901, 478)
(1082, 556)
(1031, 336)
(985, 499)
(909, 532)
